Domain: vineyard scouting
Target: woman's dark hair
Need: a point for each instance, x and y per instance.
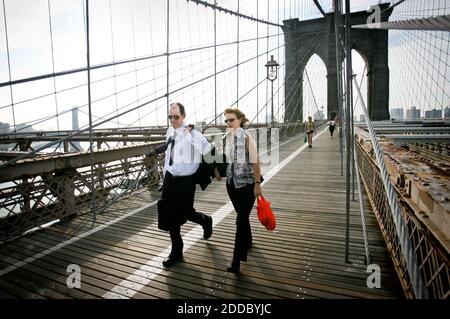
(180, 106)
(239, 115)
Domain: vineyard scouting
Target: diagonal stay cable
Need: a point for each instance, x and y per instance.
(397, 215)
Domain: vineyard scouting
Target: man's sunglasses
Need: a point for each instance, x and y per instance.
(175, 117)
(229, 120)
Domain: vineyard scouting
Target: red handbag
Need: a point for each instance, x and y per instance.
(265, 214)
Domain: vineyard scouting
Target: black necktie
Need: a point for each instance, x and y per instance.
(172, 142)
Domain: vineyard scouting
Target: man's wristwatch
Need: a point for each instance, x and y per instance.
(258, 182)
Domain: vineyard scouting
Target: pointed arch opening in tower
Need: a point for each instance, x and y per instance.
(360, 71)
(315, 91)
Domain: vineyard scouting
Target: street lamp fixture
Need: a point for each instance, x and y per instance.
(272, 73)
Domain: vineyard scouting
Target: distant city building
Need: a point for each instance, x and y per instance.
(397, 114)
(447, 113)
(4, 127)
(23, 128)
(412, 113)
(75, 125)
(318, 116)
(433, 114)
(75, 145)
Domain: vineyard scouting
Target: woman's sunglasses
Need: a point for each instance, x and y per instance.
(175, 117)
(229, 120)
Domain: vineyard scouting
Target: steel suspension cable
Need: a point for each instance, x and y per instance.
(113, 59)
(53, 61)
(401, 227)
(9, 63)
(91, 143)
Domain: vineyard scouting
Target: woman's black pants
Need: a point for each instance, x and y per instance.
(243, 200)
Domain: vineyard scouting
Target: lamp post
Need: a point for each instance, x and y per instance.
(272, 73)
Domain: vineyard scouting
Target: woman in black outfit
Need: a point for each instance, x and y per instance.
(243, 180)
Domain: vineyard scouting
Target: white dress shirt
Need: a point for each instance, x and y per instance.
(187, 152)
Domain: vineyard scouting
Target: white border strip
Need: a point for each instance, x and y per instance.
(128, 287)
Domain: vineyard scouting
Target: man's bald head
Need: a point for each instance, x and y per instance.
(180, 107)
(176, 114)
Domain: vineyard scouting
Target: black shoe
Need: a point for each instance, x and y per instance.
(208, 228)
(235, 265)
(171, 260)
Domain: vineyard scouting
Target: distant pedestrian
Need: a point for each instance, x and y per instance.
(331, 126)
(309, 129)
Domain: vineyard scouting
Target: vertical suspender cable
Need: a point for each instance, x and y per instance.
(53, 62)
(215, 63)
(312, 92)
(9, 65)
(300, 11)
(300, 8)
(341, 83)
(257, 63)
(352, 146)
(290, 8)
(152, 51)
(237, 57)
(296, 8)
(347, 125)
(135, 68)
(420, 56)
(113, 58)
(267, 59)
(167, 64)
(351, 143)
(338, 76)
(91, 148)
(278, 54)
(285, 69)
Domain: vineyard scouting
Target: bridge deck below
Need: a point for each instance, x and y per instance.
(120, 254)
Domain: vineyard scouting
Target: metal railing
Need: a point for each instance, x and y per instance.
(42, 196)
(33, 201)
(410, 273)
(431, 258)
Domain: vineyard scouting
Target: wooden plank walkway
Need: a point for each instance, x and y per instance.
(120, 254)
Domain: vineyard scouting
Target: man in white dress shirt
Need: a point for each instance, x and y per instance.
(183, 158)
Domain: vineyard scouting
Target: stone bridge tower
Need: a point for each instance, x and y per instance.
(317, 36)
